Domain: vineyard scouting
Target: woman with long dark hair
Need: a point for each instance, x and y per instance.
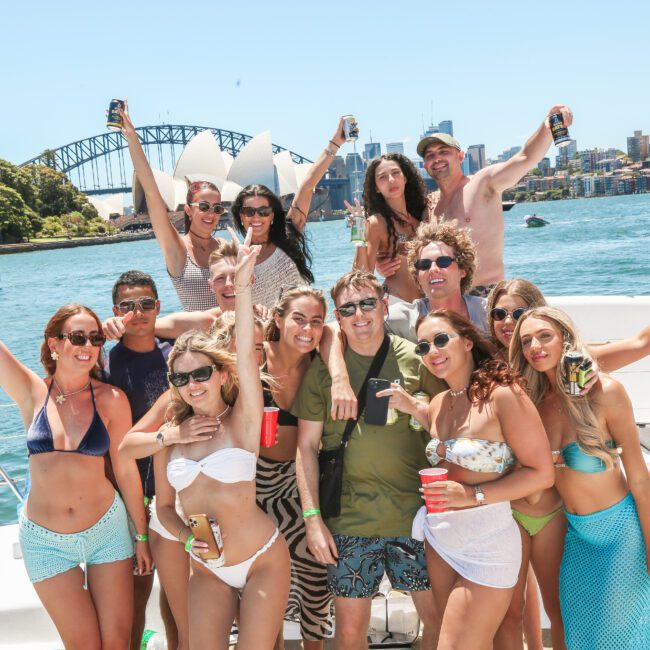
(486, 433)
(604, 576)
(73, 515)
(395, 200)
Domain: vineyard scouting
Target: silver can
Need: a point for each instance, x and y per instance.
(414, 424)
(350, 128)
(358, 230)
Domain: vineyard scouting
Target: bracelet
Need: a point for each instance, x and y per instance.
(188, 543)
(142, 538)
(329, 152)
(338, 146)
(310, 513)
(242, 289)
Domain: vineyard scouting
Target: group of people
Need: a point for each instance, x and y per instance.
(132, 450)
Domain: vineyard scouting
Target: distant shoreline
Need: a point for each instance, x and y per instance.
(29, 247)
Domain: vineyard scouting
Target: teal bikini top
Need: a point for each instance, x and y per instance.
(576, 459)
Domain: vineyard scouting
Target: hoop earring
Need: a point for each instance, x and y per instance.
(54, 354)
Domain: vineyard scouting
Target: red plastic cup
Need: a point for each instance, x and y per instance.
(269, 426)
(432, 475)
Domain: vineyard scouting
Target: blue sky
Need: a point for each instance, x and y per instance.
(293, 67)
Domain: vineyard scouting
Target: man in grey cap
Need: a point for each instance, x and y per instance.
(475, 201)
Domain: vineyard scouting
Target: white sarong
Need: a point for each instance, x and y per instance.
(481, 544)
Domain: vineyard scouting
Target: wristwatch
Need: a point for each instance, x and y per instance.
(479, 495)
(160, 438)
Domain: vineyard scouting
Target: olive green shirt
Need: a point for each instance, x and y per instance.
(380, 467)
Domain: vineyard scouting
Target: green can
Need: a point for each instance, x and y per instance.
(420, 396)
(358, 230)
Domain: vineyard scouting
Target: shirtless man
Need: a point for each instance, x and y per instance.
(475, 201)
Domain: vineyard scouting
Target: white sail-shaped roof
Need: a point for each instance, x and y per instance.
(202, 155)
(254, 163)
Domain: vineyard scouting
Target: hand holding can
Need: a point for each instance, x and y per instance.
(113, 120)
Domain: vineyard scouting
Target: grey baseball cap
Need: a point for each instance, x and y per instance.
(449, 140)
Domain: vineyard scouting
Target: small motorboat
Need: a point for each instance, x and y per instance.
(533, 221)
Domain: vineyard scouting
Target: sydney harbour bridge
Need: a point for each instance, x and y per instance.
(100, 164)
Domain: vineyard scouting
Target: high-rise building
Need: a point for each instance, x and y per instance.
(508, 153)
(371, 150)
(476, 154)
(466, 166)
(337, 168)
(566, 153)
(544, 166)
(638, 146)
(395, 147)
(356, 172)
(446, 126)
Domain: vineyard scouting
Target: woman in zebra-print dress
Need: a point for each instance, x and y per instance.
(292, 335)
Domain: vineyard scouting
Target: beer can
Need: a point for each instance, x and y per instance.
(414, 424)
(571, 371)
(114, 121)
(358, 230)
(350, 128)
(559, 132)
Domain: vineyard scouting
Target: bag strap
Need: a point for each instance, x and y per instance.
(374, 369)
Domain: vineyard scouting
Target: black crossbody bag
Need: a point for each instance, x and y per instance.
(330, 462)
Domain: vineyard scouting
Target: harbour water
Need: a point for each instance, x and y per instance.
(592, 246)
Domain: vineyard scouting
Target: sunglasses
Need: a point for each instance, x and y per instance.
(439, 341)
(498, 313)
(80, 338)
(145, 304)
(179, 379)
(350, 308)
(441, 262)
(204, 206)
(264, 211)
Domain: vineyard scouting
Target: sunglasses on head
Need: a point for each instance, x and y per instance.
(498, 313)
(350, 308)
(264, 211)
(204, 206)
(145, 304)
(440, 340)
(179, 379)
(80, 338)
(441, 262)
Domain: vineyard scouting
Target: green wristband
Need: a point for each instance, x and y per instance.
(310, 513)
(142, 538)
(188, 543)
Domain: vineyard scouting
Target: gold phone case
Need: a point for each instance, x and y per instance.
(202, 530)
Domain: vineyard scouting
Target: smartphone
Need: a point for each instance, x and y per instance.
(201, 527)
(376, 407)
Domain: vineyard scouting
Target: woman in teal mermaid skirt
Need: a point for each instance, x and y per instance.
(604, 579)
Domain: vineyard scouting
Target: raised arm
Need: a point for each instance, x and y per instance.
(22, 385)
(616, 355)
(300, 204)
(168, 238)
(173, 325)
(504, 175)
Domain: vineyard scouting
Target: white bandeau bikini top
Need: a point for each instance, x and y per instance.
(229, 465)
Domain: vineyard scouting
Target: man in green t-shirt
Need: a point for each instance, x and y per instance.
(380, 493)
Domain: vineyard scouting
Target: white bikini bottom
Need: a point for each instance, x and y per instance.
(237, 574)
(156, 525)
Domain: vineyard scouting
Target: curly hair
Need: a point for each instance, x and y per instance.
(448, 233)
(358, 280)
(489, 372)
(272, 332)
(192, 190)
(282, 232)
(54, 327)
(524, 289)
(207, 344)
(415, 193)
(579, 409)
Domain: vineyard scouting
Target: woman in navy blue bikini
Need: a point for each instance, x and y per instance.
(73, 514)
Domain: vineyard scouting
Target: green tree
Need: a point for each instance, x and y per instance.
(52, 227)
(74, 224)
(17, 178)
(15, 216)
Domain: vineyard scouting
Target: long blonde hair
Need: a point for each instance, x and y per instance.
(580, 410)
(207, 344)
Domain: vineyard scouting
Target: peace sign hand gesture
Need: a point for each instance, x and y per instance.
(246, 257)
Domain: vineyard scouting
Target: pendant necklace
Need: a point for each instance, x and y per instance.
(61, 397)
(455, 393)
(221, 415)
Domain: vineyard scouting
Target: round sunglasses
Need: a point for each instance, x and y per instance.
(498, 313)
(264, 211)
(439, 341)
(144, 304)
(201, 374)
(204, 206)
(80, 338)
(441, 262)
(350, 308)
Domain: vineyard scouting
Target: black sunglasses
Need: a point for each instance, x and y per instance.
(264, 211)
(145, 304)
(204, 206)
(179, 379)
(498, 313)
(80, 338)
(441, 262)
(440, 340)
(350, 308)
